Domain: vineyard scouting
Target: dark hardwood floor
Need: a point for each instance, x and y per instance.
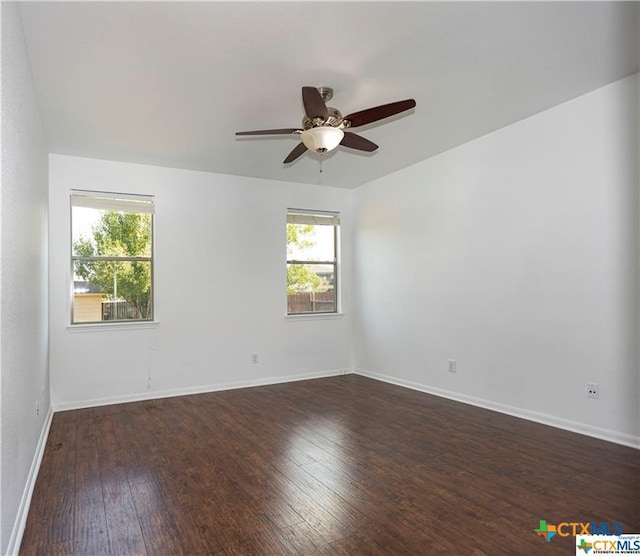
(343, 465)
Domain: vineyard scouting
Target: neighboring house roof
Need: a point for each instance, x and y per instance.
(82, 286)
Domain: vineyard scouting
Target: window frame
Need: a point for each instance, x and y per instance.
(109, 200)
(335, 263)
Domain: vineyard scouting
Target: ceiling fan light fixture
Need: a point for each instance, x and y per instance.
(322, 125)
(322, 139)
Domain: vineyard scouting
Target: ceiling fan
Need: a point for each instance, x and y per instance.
(323, 127)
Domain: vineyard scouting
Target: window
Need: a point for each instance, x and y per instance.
(312, 262)
(111, 257)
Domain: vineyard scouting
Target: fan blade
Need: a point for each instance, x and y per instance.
(270, 132)
(379, 112)
(295, 153)
(314, 106)
(354, 141)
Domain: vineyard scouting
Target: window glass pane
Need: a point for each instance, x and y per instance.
(306, 242)
(310, 277)
(310, 288)
(109, 233)
(111, 290)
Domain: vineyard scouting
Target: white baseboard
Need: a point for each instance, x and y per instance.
(21, 519)
(565, 424)
(545, 419)
(203, 389)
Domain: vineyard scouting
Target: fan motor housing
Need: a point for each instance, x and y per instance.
(334, 119)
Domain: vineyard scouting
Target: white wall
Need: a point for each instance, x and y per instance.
(23, 282)
(516, 255)
(220, 281)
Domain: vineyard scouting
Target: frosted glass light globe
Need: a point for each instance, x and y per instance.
(322, 139)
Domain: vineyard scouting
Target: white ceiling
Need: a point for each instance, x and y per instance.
(168, 83)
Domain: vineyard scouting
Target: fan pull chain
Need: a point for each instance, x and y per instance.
(319, 181)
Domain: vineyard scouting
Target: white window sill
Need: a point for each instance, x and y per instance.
(315, 316)
(112, 326)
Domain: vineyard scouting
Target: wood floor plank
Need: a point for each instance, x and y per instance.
(51, 515)
(123, 527)
(343, 465)
(90, 523)
(163, 532)
(302, 538)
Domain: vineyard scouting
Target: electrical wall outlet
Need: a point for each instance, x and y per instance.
(254, 358)
(593, 390)
(452, 366)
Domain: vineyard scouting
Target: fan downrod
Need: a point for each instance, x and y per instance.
(326, 93)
